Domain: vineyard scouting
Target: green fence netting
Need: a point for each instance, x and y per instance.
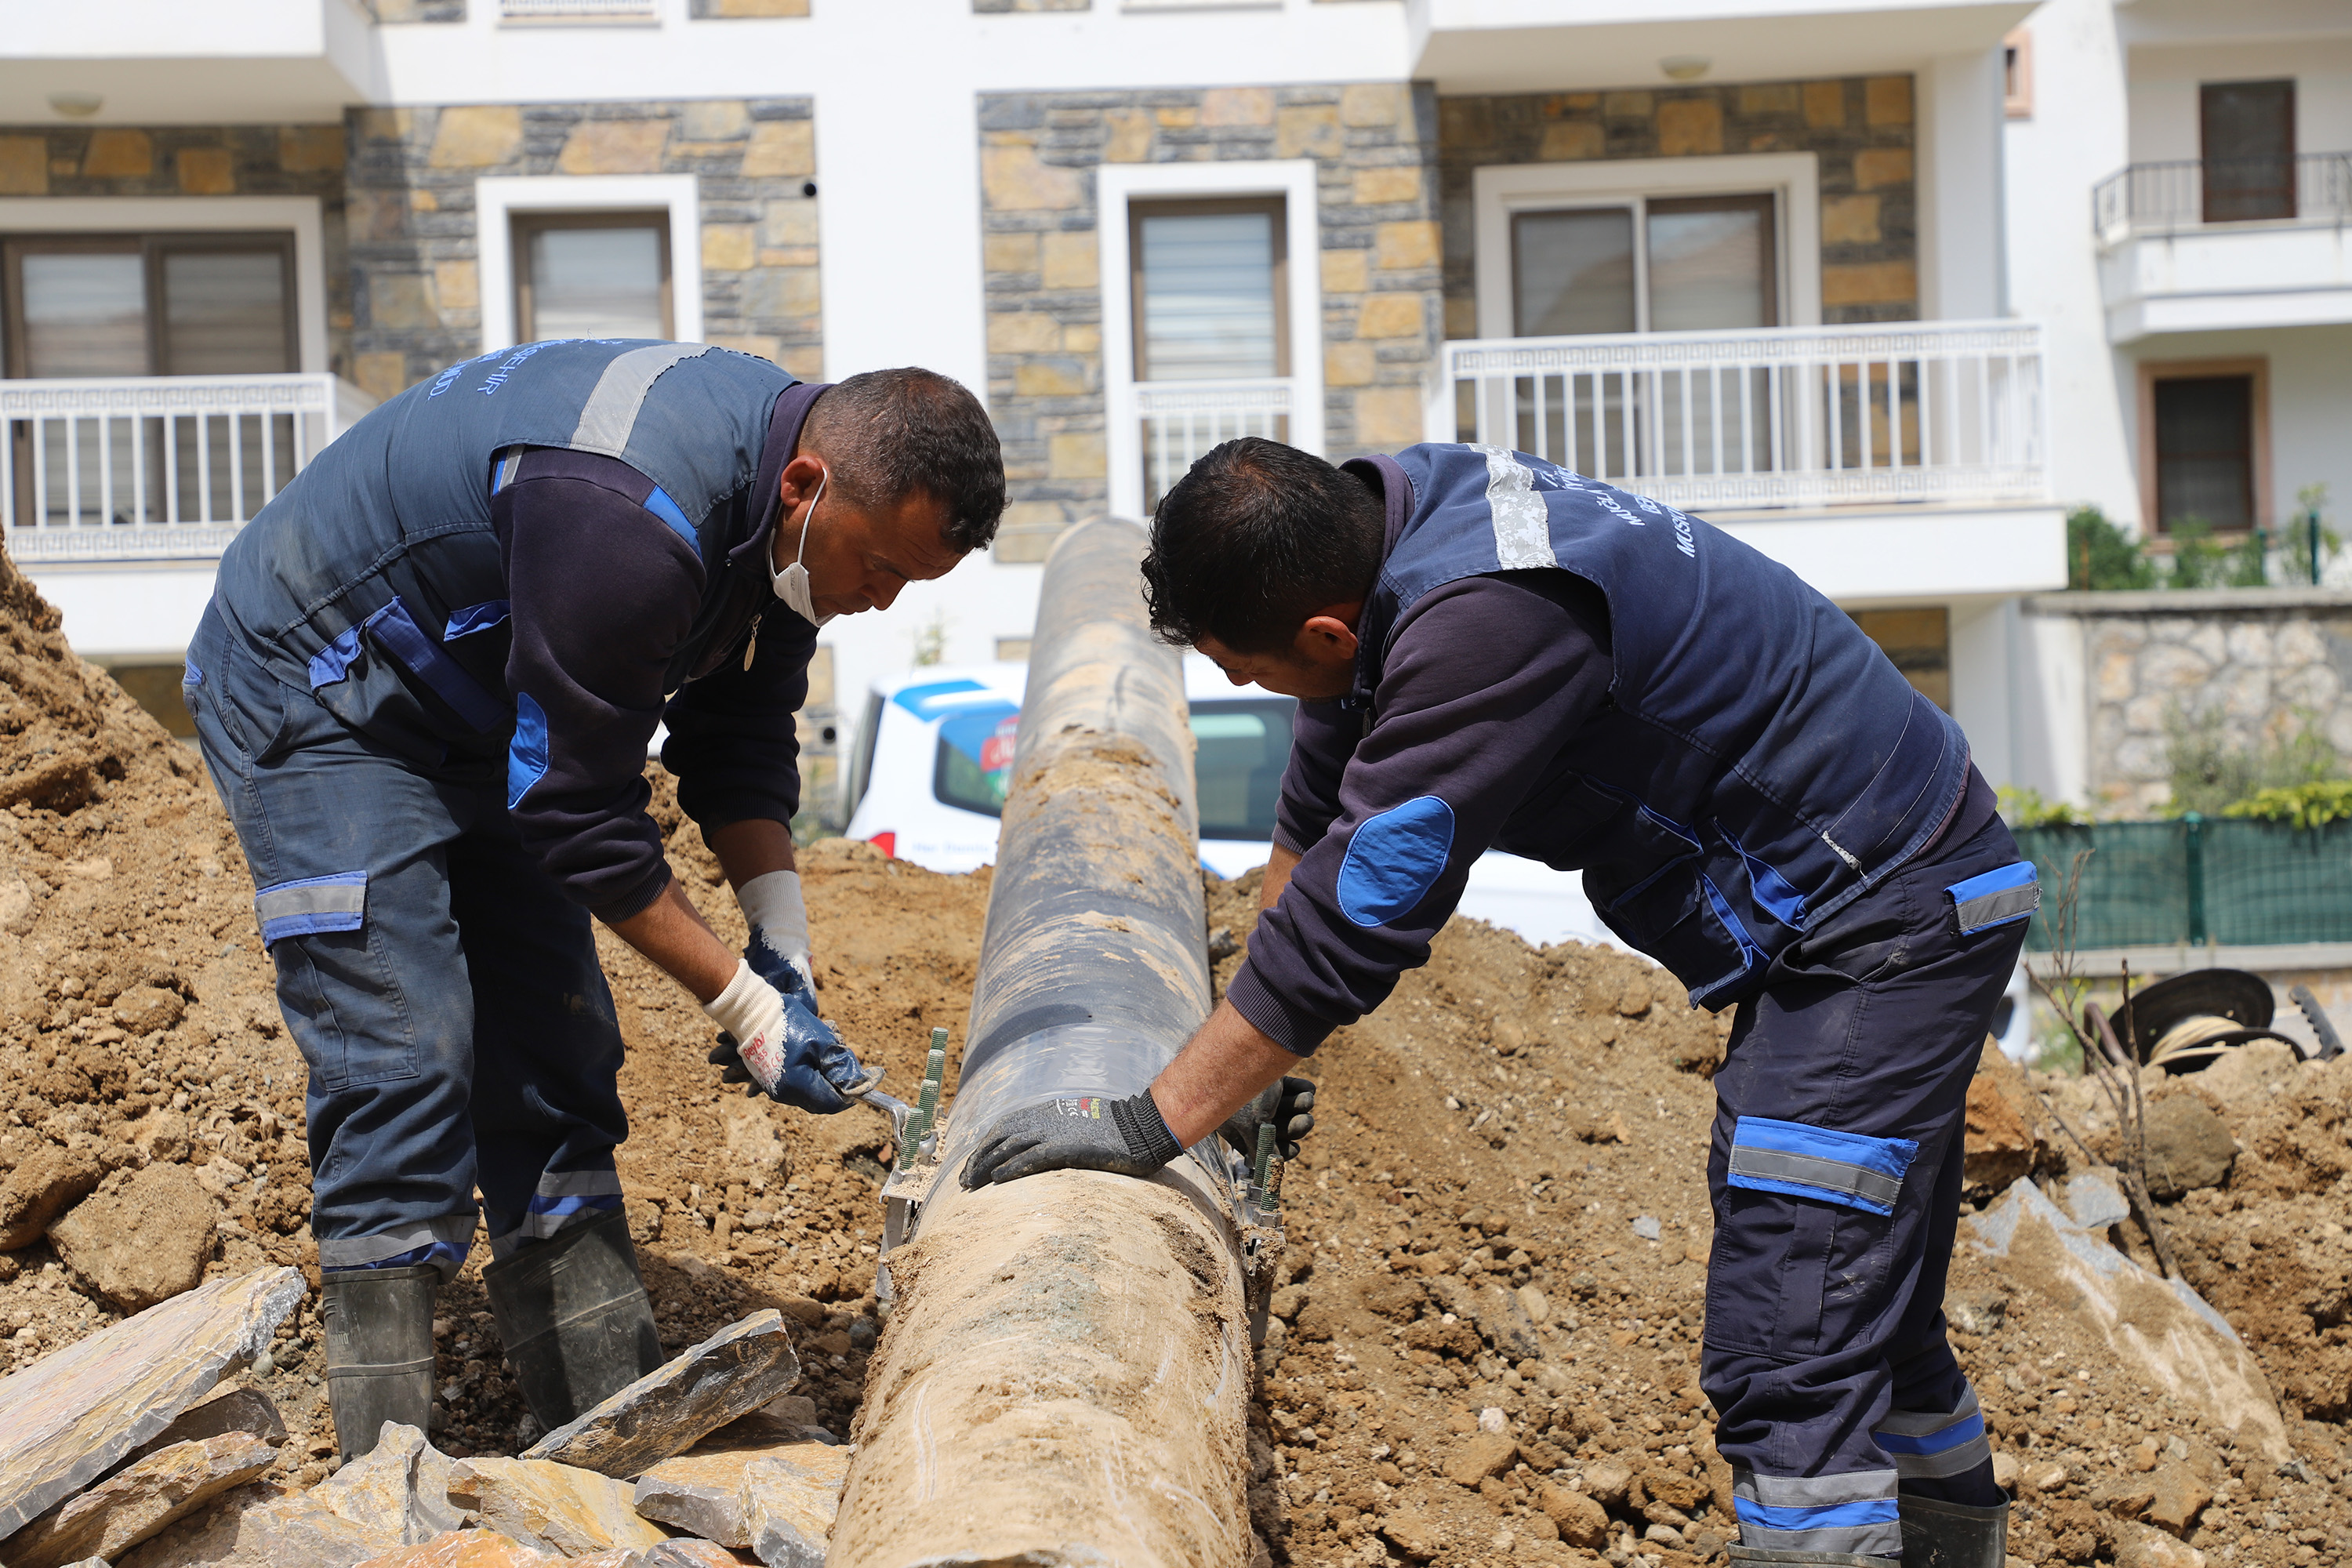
(2163, 884)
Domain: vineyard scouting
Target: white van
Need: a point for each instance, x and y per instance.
(933, 757)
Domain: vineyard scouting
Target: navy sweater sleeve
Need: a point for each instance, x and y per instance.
(1483, 682)
(603, 595)
(732, 741)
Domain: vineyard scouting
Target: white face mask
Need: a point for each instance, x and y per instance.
(791, 583)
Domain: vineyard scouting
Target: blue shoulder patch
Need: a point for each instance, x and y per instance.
(1394, 860)
(661, 506)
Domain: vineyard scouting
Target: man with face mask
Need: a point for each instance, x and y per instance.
(424, 688)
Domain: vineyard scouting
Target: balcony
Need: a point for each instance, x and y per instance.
(155, 468)
(2219, 244)
(579, 13)
(1890, 461)
(162, 62)
(1182, 420)
(1558, 46)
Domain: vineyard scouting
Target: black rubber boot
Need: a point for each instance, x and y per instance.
(575, 1319)
(1953, 1535)
(1761, 1555)
(379, 1353)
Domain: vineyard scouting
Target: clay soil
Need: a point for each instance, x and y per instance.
(1513, 1117)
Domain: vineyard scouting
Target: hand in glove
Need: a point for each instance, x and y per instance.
(1285, 1104)
(1125, 1137)
(779, 948)
(775, 1044)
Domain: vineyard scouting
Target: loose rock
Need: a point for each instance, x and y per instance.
(465, 1548)
(729, 1374)
(247, 1410)
(142, 1246)
(683, 1552)
(72, 1417)
(551, 1507)
(704, 1491)
(789, 1513)
(2180, 1497)
(134, 1503)
(1580, 1520)
(1480, 1456)
(2189, 1146)
(44, 1184)
(1411, 1535)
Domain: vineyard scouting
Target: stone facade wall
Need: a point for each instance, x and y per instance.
(716, 10)
(416, 260)
(418, 10)
(1860, 128)
(1374, 144)
(196, 161)
(2269, 660)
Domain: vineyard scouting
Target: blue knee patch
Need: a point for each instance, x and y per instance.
(313, 904)
(1394, 859)
(527, 753)
(1996, 899)
(1769, 1156)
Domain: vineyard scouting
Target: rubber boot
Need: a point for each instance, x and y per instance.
(575, 1319)
(1761, 1555)
(1953, 1535)
(379, 1353)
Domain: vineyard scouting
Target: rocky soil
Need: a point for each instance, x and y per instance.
(1487, 1334)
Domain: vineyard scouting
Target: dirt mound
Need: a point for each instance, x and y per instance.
(1489, 1327)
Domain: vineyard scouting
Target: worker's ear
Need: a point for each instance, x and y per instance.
(1327, 639)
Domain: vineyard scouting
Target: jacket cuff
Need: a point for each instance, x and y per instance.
(1294, 1029)
(637, 899)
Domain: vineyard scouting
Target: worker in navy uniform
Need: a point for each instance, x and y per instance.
(1491, 652)
(425, 686)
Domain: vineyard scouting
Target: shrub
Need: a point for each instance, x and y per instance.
(2101, 556)
(2312, 804)
(2031, 808)
(2208, 773)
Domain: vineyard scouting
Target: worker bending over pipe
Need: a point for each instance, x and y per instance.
(424, 687)
(1491, 652)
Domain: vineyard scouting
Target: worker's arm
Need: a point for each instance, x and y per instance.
(1278, 867)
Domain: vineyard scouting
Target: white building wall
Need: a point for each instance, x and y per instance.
(2075, 137)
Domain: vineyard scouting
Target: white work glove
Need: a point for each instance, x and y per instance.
(774, 1042)
(778, 916)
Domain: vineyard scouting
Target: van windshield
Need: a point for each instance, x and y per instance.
(1242, 746)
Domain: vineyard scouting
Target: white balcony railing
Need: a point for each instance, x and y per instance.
(579, 11)
(1792, 416)
(156, 468)
(1182, 420)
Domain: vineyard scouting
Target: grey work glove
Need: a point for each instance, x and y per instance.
(1125, 1137)
(1285, 1104)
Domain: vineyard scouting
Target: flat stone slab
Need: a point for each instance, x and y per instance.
(665, 1412)
(686, 1553)
(71, 1417)
(135, 1502)
(702, 1490)
(465, 1548)
(789, 1513)
(247, 1410)
(393, 1496)
(554, 1507)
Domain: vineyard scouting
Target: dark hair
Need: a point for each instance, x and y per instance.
(1257, 537)
(888, 434)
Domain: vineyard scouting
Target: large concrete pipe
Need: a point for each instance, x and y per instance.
(1065, 1375)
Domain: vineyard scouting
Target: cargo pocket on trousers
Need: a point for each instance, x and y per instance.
(1804, 1235)
(346, 1013)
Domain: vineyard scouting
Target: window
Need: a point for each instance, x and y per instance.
(2017, 74)
(2205, 450)
(1919, 642)
(1662, 264)
(1208, 290)
(2247, 132)
(592, 275)
(1242, 746)
(157, 304)
(1210, 294)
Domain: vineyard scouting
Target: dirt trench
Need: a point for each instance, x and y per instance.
(1501, 1215)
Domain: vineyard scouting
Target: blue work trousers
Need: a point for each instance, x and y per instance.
(445, 996)
(1835, 1179)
